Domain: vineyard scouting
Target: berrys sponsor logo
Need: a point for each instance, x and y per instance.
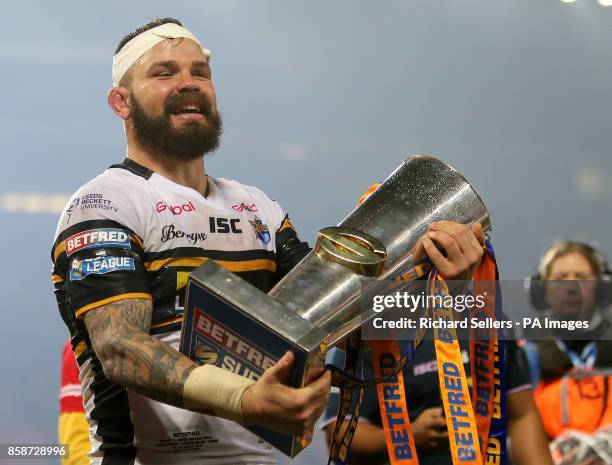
(243, 206)
(174, 209)
(99, 265)
(171, 232)
(107, 237)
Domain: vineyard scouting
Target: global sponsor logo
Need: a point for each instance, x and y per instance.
(100, 265)
(94, 238)
(261, 230)
(242, 206)
(171, 232)
(97, 201)
(161, 207)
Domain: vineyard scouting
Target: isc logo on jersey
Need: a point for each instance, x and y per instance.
(99, 265)
(93, 238)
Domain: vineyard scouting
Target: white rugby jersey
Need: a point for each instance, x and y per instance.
(132, 233)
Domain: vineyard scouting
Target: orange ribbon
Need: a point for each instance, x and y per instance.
(392, 402)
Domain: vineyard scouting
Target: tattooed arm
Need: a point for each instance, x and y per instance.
(130, 357)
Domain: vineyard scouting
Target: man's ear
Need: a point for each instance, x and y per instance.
(118, 100)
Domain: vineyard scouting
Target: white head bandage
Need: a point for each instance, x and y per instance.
(139, 45)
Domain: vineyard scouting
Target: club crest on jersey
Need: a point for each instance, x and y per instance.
(94, 238)
(99, 265)
(243, 206)
(261, 230)
(72, 207)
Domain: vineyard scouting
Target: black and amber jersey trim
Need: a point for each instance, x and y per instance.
(236, 261)
(130, 295)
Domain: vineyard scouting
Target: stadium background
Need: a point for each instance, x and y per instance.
(320, 99)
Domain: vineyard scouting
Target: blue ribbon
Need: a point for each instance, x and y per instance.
(498, 428)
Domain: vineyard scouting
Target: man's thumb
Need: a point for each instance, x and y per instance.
(280, 372)
(479, 233)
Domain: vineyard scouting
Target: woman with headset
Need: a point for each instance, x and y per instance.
(573, 367)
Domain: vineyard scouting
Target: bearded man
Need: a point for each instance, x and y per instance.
(122, 253)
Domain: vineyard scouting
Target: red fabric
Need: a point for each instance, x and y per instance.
(70, 396)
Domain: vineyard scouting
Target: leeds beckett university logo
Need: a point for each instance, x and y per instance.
(250, 208)
(261, 230)
(89, 201)
(175, 209)
(94, 238)
(95, 200)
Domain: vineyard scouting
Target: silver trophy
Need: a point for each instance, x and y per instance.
(318, 303)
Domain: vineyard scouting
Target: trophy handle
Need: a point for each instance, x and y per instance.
(356, 250)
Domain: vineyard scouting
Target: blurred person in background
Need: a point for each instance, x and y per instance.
(72, 427)
(573, 367)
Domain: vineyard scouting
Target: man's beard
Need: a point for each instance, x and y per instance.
(190, 142)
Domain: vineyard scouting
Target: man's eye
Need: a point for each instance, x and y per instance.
(201, 74)
(163, 74)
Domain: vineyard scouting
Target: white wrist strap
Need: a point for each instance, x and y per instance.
(210, 387)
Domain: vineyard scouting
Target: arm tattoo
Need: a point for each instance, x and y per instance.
(132, 357)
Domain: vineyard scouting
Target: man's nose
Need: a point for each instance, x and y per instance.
(186, 82)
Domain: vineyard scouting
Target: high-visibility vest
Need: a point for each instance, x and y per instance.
(579, 400)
